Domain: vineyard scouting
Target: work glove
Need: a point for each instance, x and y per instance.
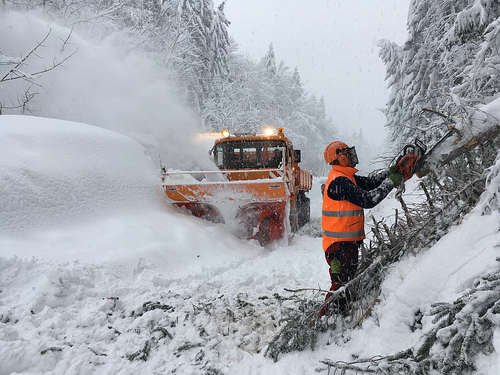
(396, 178)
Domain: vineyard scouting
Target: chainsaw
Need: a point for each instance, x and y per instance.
(414, 157)
(411, 159)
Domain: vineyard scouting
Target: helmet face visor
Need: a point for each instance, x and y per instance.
(354, 156)
(351, 151)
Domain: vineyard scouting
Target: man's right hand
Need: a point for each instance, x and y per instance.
(404, 166)
(396, 178)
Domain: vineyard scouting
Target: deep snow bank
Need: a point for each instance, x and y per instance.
(59, 172)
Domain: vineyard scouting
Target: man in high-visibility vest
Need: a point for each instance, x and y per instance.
(345, 196)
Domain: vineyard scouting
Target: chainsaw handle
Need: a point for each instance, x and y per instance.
(409, 149)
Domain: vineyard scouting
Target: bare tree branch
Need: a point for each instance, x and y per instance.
(20, 63)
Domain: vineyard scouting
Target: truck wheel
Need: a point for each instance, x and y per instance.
(294, 221)
(305, 210)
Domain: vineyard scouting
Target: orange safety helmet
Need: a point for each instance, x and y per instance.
(338, 151)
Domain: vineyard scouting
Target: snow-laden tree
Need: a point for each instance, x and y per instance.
(209, 47)
(448, 66)
(392, 55)
(422, 72)
(478, 24)
(269, 61)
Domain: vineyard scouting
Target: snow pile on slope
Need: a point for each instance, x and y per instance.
(47, 181)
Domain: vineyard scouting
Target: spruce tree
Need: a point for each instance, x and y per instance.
(209, 42)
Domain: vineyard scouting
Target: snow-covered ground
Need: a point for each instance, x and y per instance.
(98, 274)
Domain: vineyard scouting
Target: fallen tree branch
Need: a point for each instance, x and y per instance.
(368, 310)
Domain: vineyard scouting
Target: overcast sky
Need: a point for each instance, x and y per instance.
(333, 43)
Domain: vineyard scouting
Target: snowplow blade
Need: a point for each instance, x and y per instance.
(219, 192)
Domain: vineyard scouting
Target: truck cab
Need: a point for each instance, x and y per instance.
(264, 155)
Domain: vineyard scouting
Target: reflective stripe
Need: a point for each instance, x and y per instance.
(344, 234)
(343, 213)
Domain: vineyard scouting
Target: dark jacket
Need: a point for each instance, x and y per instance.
(369, 191)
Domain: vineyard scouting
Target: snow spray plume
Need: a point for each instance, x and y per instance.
(103, 85)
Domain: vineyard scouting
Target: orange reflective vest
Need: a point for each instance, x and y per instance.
(341, 220)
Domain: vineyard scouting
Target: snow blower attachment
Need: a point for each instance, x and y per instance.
(258, 191)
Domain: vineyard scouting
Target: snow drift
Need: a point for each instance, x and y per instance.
(45, 169)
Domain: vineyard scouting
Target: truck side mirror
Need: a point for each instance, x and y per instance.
(297, 158)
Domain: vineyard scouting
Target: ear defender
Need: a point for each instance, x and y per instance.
(343, 160)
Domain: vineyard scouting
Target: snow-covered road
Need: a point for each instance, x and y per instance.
(110, 281)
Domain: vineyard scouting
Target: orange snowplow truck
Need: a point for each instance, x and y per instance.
(259, 190)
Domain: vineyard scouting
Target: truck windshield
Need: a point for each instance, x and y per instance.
(250, 154)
